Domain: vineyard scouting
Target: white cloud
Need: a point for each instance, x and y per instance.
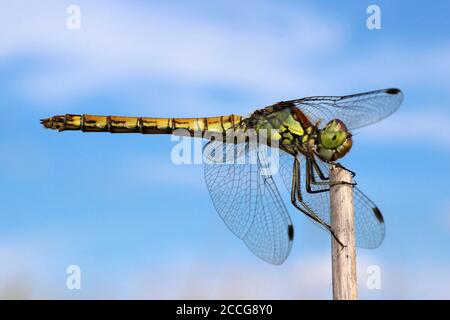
(119, 41)
(412, 128)
(273, 51)
(308, 277)
(391, 65)
(184, 275)
(191, 279)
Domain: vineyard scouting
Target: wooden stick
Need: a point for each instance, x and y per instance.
(343, 226)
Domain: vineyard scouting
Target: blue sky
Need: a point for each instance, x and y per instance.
(142, 227)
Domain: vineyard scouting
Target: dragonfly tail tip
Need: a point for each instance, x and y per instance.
(47, 123)
(55, 123)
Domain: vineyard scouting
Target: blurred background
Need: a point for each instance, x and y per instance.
(139, 226)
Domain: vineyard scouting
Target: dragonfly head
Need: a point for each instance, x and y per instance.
(333, 141)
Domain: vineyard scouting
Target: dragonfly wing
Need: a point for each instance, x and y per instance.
(285, 169)
(356, 110)
(248, 201)
(370, 228)
(369, 222)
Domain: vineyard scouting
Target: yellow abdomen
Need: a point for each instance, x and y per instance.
(145, 125)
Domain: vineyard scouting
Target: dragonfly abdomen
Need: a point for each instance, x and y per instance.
(144, 125)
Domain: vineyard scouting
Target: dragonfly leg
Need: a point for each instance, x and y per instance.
(297, 196)
(311, 166)
(318, 170)
(337, 164)
(322, 176)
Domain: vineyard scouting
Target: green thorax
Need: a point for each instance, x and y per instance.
(284, 123)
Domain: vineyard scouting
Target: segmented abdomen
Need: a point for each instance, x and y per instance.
(145, 125)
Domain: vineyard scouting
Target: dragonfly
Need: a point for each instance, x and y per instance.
(310, 134)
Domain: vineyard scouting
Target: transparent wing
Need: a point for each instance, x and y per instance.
(356, 110)
(369, 222)
(285, 169)
(247, 199)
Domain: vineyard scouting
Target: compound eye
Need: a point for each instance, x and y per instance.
(333, 139)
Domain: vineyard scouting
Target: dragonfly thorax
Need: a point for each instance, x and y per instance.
(333, 141)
